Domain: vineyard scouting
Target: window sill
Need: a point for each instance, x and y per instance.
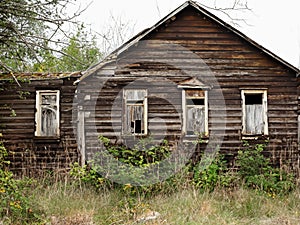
(44, 139)
(195, 138)
(255, 137)
(134, 135)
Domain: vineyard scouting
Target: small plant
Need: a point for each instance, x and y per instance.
(13, 113)
(23, 94)
(89, 176)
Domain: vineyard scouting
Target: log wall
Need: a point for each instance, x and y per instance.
(233, 61)
(30, 155)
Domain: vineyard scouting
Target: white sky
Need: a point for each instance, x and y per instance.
(274, 24)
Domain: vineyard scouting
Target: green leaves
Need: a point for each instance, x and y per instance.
(34, 37)
(142, 154)
(212, 176)
(14, 204)
(80, 53)
(256, 171)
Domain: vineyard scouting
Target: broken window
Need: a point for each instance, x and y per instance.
(135, 111)
(195, 110)
(47, 113)
(254, 112)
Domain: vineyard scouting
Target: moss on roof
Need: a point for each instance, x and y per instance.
(38, 76)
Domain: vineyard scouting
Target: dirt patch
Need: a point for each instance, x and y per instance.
(79, 219)
(280, 221)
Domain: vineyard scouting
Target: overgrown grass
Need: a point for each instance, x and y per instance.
(70, 204)
(255, 194)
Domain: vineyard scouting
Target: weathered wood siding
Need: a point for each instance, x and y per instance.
(234, 62)
(30, 155)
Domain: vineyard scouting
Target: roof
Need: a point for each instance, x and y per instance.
(38, 76)
(111, 57)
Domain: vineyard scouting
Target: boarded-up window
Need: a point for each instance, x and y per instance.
(135, 112)
(195, 108)
(47, 113)
(255, 112)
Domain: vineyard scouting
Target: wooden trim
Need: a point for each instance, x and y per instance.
(81, 135)
(146, 113)
(184, 113)
(206, 112)
(264, 105)
(38, 104)
(145, 109)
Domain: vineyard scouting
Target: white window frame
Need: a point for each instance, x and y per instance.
(38, 114)
(264, 107)
(184, 111)
(145, 111)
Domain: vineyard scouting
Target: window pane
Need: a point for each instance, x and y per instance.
(49, 99)
(195, 120)
(194, 93)
(135, 95)
(135, 119)
(254, 119)
(47, 115)
(48, 122)
(135, 111)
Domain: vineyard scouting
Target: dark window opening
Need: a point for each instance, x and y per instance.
(137, 126)
(195, 101)
(135, 101)
(253, 99)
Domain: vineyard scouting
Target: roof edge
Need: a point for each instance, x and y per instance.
(39, 75)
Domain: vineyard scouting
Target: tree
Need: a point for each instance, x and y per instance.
(28, 28)
(35, 35)
(115, 33)
(80, 53)
(232, 9)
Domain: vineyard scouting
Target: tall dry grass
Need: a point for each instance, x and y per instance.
(65, 203)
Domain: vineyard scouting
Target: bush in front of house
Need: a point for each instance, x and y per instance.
(257, 173)
(254, 170)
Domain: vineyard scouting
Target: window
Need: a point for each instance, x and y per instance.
(195, 112)
(135, 112)
(255, 121)
(47, 113)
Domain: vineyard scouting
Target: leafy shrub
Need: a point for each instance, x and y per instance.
(256, 171)
(88, 176)
(132, 165)
(216, 174)
(143, 153)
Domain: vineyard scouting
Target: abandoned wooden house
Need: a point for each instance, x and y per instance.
(192, 74)
(35, 120)
(189, 75)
